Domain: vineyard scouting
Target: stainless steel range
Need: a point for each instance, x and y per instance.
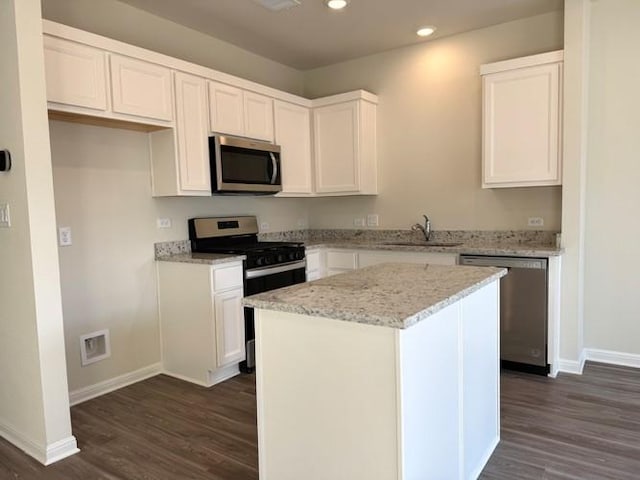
(269, 265)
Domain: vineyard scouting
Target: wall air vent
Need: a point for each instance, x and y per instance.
(277, 5)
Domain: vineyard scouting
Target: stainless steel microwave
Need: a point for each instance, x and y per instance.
(240, 165)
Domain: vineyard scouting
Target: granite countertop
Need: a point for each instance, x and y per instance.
(388, 295)
(475, 248)
(201, 258)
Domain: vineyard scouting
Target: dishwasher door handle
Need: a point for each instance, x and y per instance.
(505, 262)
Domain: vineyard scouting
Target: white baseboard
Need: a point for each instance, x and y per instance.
(93, 391)
(573, 366)
(61, 449)
(613, 358)
(46, 455)
(219, 375)
(485, 458)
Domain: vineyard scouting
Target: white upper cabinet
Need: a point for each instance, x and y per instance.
(192, 134)
(328, 144)
(76, 74)
(141, 88)
(345, 147)
(258, 116)
(293, 134)
(522, 121)
(226, 109)
(234, 111)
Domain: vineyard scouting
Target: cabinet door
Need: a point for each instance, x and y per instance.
(226, 110)
(339, 261)
(293, 134)
(229, 327)
(258, 117)
(75, 74)
(140, 88)
(191, 129)
(521, 127)
(336, 130)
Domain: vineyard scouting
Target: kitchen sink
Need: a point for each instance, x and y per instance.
(425, 244)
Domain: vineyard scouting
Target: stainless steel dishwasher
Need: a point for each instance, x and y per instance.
(523, 310)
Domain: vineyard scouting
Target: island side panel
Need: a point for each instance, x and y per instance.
(481, 377)
(429, 386)
(327, 403)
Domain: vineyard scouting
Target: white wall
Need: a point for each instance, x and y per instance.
(103, 192)
(118, 20)
(429, 131)
(612, 303)
(34, 404)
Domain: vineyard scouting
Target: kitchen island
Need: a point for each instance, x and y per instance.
(389, 372)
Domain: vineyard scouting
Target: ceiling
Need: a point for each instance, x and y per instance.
(310, 35)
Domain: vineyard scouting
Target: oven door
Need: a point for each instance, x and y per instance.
(244, 166)
(260, 280)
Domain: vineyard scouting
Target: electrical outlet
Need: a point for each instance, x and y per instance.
(302, 223)
(164, 222)
(373, 220)
(264, 226)
(64, 236)
(5, 217)
(535, 222)
(358, 222)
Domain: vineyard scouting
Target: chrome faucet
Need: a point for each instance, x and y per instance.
(426, 230)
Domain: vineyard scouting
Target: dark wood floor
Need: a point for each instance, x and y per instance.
(572, 428)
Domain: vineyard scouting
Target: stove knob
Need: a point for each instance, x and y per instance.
(300, 255)
(280, 258)
(259, 261)
(292, 256)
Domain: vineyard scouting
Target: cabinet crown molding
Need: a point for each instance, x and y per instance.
(522, 62)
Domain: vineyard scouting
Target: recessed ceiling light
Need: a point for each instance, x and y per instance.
(426, 31)
(337, 4)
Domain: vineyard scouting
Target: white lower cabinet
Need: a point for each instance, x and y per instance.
(340, 261)
(201, 320)
(229, 327)
(327, 262)
(368, 258)
(314, 265)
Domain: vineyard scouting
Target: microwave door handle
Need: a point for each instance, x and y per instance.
(274, 164)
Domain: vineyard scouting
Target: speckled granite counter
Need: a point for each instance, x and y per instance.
(515, 250)
(389, 295)
(202, 258)
(520, 243)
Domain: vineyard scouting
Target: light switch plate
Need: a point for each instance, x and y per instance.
(5, 215)
(64, 236)
(163, 222)
(264, 226)
(358, 222)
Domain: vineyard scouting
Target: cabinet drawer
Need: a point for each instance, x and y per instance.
(341, 260)
(227, 277)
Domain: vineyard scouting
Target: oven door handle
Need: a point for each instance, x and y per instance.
(263, 272)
